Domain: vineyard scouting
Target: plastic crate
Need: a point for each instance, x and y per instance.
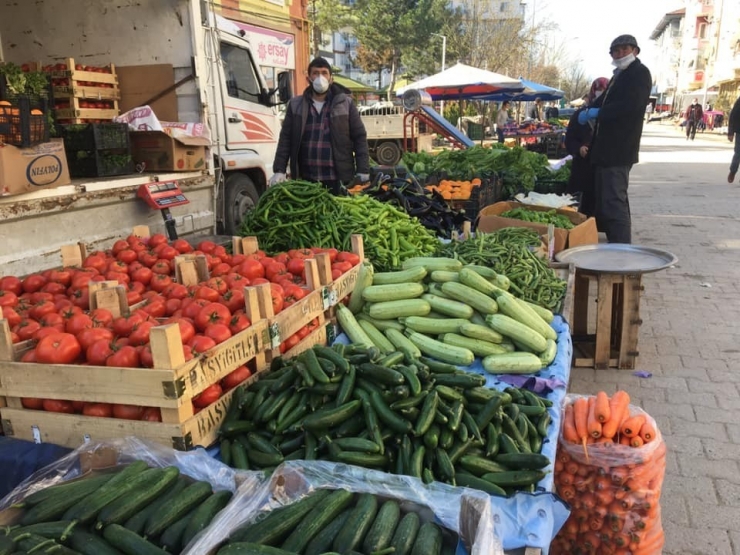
(24, 121)
(481, 196)
(99, 163)
(95, 136)
(546, 186)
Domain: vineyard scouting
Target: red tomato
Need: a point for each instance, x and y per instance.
(156, 307)
(239, 322)
(350, 257)
(277, 301)
(26, 329)
(29, 356)
(101, 410)
(182, 246)
(78, 322)
(147, 258)
(101, 317)
(212, 313)
(88, 336)
(58, 348)
(293, 294)
(79, 405)
(80, 297)
(289, 343)
(192, 307)
(207, 293)
(152, 414)
(140, 334)
(127, 256)
(37, 311)
(117, 266)
(119, 246)
(125, 357)
(53, 287)
(218, 284)
(236, 280)
(251, 269)
(124, 325)
(142, 275)
(175, 291)
(32, 283)
(208, 396)
(172, 306)
(206, 246)
(275, 270)
(282, 257)
(162, 266)
(297, 266)
(235, 378)
(133, 297)
(11, 316)
(233, 299)
(127, 412)
(55, 405)
(303, 332)
(12, 284)
(218, 332)
(96, 261)
(157, 239)
(333, 253)
(300, 253)
(32, 403)
(187, 330)
(200, 344)
(98, 352)
(342, 266)
(52, 320)
(160, 282)
(63, 276)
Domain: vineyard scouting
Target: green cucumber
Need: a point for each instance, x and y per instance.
(515, 478)
(329, 417)
(405, 534)
(86, 543)
(171, 539)
(58, 530)
(68, 489)
(188, 498)
(138, 521)
(428, 540)
(244, 548)
(381, 532)
(203, 515)
(469, 481)
(326, 511)
(130, 543)
(523, 461)
(413, 274)
(321, 543)
(359, 522)
(480, 466)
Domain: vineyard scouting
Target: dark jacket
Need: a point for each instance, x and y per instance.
(694, 113)
(616, 139)
(581, 171)
(733, 122)
(348, 135)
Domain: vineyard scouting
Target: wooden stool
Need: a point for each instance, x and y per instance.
(617, 320)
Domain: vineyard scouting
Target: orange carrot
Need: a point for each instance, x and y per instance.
(602, 409)
(580, 417)
(636, 441)
(624, 440)
(647, 432)
(569, 426)
(619, 409)
(631, 426)
(593, 423)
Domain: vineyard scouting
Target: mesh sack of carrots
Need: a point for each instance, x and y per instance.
(609, 468)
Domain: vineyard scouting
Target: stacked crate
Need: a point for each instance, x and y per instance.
(84, 94)
(97, 149)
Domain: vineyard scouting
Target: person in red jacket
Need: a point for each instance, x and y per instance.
(733, 129)
(694, 116)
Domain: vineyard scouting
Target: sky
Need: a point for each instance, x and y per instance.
(587, 27)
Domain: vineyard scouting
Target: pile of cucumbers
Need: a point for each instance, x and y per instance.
(132, 509)
(399, 414)
(339, 521)
(454, 313)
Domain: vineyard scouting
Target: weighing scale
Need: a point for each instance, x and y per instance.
(162, 196)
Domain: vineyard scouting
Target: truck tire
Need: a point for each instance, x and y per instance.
(388, 154)
(241, 196)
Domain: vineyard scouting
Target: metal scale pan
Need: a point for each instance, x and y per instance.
(617, 258)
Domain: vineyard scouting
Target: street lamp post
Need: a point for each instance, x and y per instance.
(444, 54)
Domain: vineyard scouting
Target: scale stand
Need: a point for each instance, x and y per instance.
(162, 196)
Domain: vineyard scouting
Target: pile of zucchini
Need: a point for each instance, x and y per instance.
(341, 522)
(132, 509)
(418, 417)
(453, 313)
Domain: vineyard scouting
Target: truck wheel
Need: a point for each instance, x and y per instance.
(241, 197)
(388, 154)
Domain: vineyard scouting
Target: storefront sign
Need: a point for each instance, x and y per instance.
(273, 48)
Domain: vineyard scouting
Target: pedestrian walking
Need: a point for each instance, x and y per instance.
(733, 130)
(694, 117)
(502, 118)
(323, 136)
(578, 142)
(648, 112)
(619, 115)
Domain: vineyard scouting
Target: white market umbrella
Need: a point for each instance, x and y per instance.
(463, 81)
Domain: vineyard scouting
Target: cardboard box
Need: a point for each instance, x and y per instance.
(584, 232)
(158, 151)
(28, 169)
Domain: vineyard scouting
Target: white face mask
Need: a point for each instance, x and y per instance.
(622, 63)
(597, 94)
(320, 84)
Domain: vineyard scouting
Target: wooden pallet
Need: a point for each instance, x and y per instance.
(80, 115)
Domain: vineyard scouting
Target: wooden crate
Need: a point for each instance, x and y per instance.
(87, 92)
(85, 85)
(173, 383)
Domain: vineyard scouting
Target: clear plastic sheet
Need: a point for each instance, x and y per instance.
(99, 455)
(614, 492)
(462, 510)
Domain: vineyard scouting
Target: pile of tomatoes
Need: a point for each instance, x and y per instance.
(50, 310)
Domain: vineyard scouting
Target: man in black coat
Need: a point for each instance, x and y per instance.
(619, 115)
(733, 132)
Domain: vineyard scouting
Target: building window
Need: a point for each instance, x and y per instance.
(241, 78)
(504, 7)
(701, 30)
(676, 29)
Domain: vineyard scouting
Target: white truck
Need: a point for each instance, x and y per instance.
(384, 123)
(227, 92)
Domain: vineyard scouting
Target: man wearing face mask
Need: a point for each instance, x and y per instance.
(322, 136)
(619, 116)
(694, 116)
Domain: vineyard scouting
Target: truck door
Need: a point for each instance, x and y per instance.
(250, 123)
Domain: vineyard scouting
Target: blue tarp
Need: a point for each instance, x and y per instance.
(531, 91)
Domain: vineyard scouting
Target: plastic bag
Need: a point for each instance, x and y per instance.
(104, 454)
(462, 510)
(614, 492)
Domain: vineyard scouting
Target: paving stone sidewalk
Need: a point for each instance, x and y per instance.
(690, 337)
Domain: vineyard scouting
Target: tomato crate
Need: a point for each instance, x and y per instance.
(24, 121)
(170, 385)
